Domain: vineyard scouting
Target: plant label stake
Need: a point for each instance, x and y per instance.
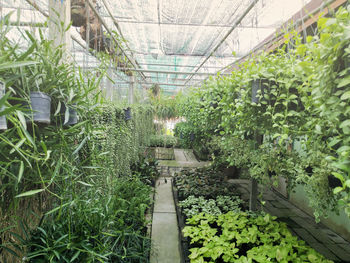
(253, 200)
(3, 124)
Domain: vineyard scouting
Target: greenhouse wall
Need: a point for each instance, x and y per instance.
(338, 223)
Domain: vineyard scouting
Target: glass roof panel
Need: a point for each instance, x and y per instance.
(168, 35)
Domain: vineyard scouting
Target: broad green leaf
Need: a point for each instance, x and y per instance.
(80, 146)
(344, 82)
(29, 193)
(345, 96)
(20, 173)
(58, 108)
(344, 124)
(337, 190)
(22, 119)
(83, 183)
(10, 65)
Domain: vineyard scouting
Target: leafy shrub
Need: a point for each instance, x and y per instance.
(185, 133)
(192, 205)
(242, 238)
(162, 141)
(204, 182)
(146, 170)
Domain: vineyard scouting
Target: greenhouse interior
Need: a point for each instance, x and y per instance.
(174, 131)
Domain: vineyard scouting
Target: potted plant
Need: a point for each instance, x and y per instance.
(127, 114)
(40, 104)
(68, 114)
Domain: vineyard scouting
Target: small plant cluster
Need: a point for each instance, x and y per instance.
(286, 114)
(185, 134)
(192, 205)
(245, 238)
(146, 170)
(167, 141)
(204, 182)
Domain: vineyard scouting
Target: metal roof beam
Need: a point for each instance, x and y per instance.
(253, 3)
(194, 25)
(173, 72)
(162, 84)
(131, 59)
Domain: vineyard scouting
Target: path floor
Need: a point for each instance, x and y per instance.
(165, 232)
(165, 235)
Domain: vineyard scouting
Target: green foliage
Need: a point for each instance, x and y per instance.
(146, 170)
(185, 134)
(120, 142)
(205, 182)
(240, 237)
(192, 205)
(165, 107)
(70, 171)
(302, 100)
(167, 141)
(95, 227)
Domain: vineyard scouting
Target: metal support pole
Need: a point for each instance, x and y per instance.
(254, 191)
(131, 89)
(59, 20)
(109, 86)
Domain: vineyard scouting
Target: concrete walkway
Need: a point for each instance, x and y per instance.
(165, 236)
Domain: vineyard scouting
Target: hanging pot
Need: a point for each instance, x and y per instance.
(73, 115)
(192, 137)
(127, 113)
(334, 182)
(41, 107)
(3, 123)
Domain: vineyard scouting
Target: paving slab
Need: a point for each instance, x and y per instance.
(164, 201)
(165, 235)
(165, 241)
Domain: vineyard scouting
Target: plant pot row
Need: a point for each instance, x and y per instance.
(40, 105)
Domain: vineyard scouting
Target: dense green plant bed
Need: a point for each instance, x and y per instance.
(95, 227)
(192, 205)
(245, 238)
(205, 182)
(167, 141)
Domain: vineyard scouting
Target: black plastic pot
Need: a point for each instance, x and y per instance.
(192, 137)
(127, 114)
(73, 115)
(41, 107)
(334, 182)
(309, 171)
(3, 123)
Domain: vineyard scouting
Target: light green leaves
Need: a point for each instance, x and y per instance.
(30, 193)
